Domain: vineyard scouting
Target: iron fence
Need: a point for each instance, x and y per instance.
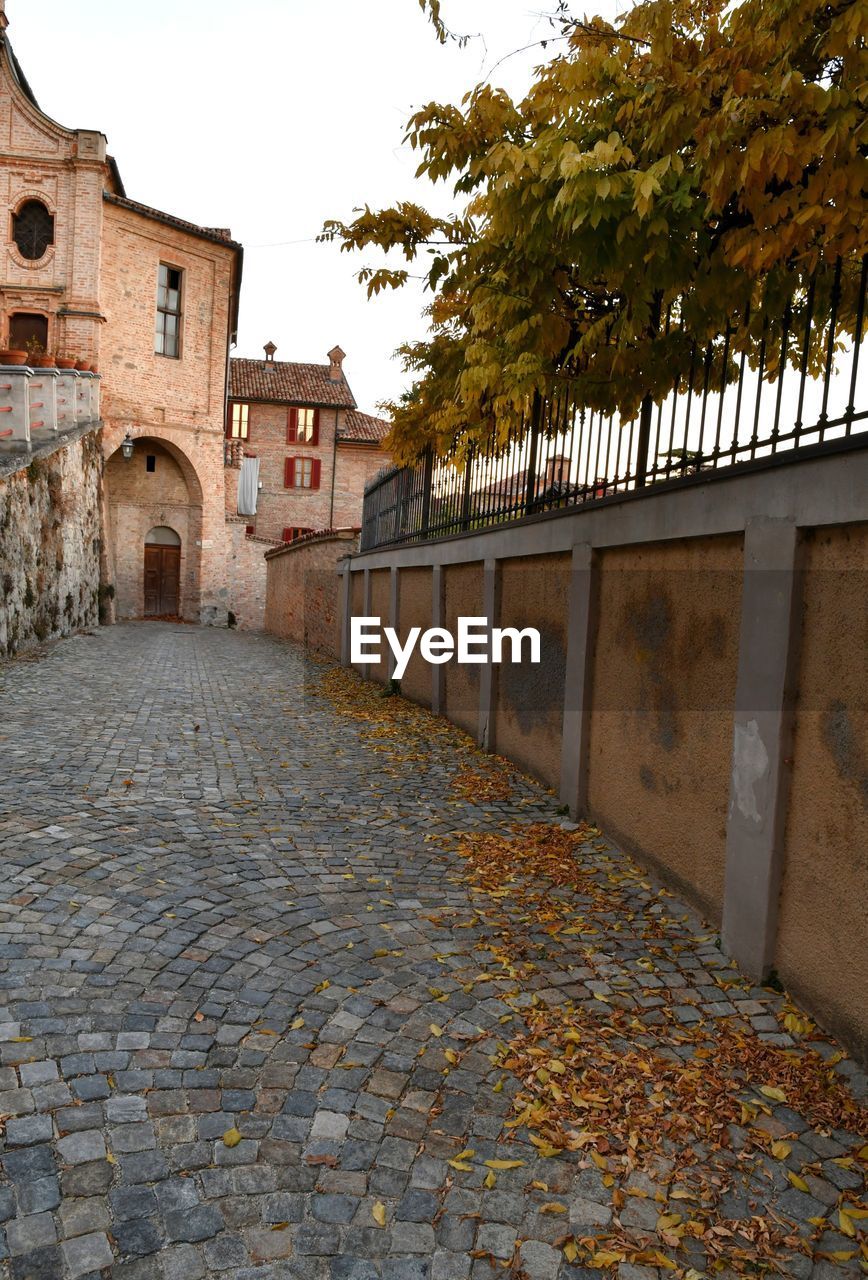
(793, 392)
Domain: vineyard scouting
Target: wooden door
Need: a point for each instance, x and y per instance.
(162, 581)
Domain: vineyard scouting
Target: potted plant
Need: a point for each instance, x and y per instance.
(37, 356)
(66, 362)
(82, 366)
(13, 355)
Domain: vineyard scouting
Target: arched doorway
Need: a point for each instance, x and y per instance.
(158, 488)
(162, 573)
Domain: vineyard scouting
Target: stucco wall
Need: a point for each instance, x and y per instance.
(822, 944)
(49, 545)
(530, 698)
(415, 610)
(665, 668)
(464, 595)
(303, 591)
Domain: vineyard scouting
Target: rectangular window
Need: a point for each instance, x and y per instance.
(302, 426)
(167, 338)
(301, 473)
(238, 425)
(295, 531)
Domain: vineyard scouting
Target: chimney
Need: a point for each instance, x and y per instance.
(269, 347)
(336, 358)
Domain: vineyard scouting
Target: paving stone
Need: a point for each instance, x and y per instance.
(87, 1254)
(170, 926)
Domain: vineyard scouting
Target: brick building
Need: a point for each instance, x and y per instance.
(316, 450)
(152, 302)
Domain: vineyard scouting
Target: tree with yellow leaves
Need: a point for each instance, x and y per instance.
(693, 169)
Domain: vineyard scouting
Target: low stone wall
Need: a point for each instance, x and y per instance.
(302, 589)
(50, 541)
(701, 695)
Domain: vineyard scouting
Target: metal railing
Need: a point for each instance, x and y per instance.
(788, 393)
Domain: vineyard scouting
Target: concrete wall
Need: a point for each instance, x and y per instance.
(702, 694)
(821, 943)
(530, 699)
(49, 543)
(664, 675)
(302, 590)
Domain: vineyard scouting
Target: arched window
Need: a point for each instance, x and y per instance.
(32, 229)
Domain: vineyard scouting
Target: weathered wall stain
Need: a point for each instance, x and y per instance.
(534, 692)
(846, 748)
(648, 630)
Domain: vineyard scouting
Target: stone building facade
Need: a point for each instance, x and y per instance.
(152, 302)
(316, 450)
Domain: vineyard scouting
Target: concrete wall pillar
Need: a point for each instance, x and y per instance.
(394, 616)
(491, 591)
(762, 741)
(67, 384)
(581, 630)
(43, 403)
(438, 617)
(366, 612)
(346, 599)
(15, 407)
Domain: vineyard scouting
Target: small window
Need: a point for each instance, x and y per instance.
(295, 531)
(301, 473)
(167, 338)
(33, 229)
(302, 426)
(250, 529)
(150, 462)
(239, 422)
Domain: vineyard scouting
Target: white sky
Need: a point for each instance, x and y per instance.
(269, 117)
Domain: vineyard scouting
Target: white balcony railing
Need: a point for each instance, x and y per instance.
(39, 404)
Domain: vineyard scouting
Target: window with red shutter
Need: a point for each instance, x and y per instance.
(315, 437)
(292, 426)
(315, 473)
(289, 473)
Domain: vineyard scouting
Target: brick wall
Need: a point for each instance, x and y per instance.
(302, 592)
(246, 575)
(356, 465)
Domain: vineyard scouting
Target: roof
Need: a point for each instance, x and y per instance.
(219, 235)
(281, 382)
(362, 428)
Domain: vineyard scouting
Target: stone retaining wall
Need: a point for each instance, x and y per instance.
(50, 541)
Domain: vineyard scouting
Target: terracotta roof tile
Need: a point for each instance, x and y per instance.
(281, 382)
(362, 428)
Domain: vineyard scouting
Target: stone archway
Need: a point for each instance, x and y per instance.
(158, 488)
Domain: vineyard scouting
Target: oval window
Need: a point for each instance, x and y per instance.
(32, 229)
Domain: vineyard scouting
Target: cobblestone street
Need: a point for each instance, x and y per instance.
(260, 1018)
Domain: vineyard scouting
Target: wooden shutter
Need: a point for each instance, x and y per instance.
(315, 436)
(289, 473)
(292, 426)
(314, 473)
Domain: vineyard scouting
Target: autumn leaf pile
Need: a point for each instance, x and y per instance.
(678, 1112)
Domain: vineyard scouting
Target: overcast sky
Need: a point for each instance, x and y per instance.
(269, 117)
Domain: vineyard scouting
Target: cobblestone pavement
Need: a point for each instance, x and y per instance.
(237, 1035)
